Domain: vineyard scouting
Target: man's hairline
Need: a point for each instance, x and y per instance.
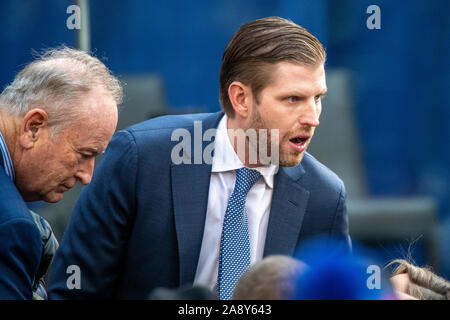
(272, 65)
(81, 115)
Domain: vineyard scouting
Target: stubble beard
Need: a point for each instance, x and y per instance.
(258, 123)
(286, 158)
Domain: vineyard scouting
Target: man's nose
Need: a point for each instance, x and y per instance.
(310, 114)
(85, 171)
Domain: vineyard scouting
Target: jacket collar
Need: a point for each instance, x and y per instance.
(288, 208)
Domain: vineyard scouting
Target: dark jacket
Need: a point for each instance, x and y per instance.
(139, 224)
(20, 243)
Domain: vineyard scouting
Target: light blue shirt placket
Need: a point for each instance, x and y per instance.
(7, 161)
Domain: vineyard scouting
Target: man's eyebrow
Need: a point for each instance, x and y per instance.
(323, 92)
(303, 96)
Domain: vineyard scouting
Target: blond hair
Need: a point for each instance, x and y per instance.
(424, 284)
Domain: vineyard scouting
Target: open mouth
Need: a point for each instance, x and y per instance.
(299, 140)
(299, 143)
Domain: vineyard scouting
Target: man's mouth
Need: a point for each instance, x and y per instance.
(66, 187)
(299, 143)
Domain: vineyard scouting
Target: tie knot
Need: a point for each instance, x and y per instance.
(246, 178)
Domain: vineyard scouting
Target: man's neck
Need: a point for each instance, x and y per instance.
(239, 134)
(8, 128)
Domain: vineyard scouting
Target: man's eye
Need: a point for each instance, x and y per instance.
(318, 98)
(292, 99)
(85, 156)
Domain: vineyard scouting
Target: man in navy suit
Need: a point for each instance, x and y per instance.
(154, 214)
(56, 116)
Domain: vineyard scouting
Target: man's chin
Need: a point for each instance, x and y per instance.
(291, 160)
(53, 197)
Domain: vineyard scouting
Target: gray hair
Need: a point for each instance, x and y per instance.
(54, 82)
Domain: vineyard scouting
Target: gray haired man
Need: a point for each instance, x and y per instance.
(58, 114)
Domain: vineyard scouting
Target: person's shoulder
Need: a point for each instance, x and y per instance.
(20, 243)
(172, 122)
(17, 227)
(12, 206)
(159, 133)
(318, 173)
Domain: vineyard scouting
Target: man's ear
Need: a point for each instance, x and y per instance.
(241, 98)
(34, 123)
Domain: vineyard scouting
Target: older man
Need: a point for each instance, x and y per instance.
(55, 118)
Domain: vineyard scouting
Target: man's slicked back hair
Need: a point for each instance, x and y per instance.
(259, 44)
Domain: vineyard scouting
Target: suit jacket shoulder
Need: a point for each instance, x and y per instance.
(129, 206)
(320, 175)
(327, 199)
(20, 243)
(162, 128)
(156, 138)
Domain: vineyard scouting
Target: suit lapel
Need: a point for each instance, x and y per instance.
(288, 207)
(190, 189)
(190, 205)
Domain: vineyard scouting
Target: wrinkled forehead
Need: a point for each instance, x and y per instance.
(94, 129)
(98, 108)
(97, 100)
(92, 135)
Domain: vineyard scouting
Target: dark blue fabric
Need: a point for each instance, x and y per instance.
(20, 243)
(139, 224)
(333, 274)
(400, 73)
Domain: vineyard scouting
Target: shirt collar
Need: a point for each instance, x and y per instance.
(7, 161)
(226, 159)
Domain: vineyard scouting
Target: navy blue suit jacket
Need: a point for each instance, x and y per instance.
(20, 243)
(139, 224)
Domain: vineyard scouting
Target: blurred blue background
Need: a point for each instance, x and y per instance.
(401, 73)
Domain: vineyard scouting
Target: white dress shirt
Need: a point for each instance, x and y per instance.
(259, 198)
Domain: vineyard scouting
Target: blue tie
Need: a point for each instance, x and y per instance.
(234, 255)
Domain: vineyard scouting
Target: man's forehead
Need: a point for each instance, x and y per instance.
(316, 70)
(299, 77)
(88, 135)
